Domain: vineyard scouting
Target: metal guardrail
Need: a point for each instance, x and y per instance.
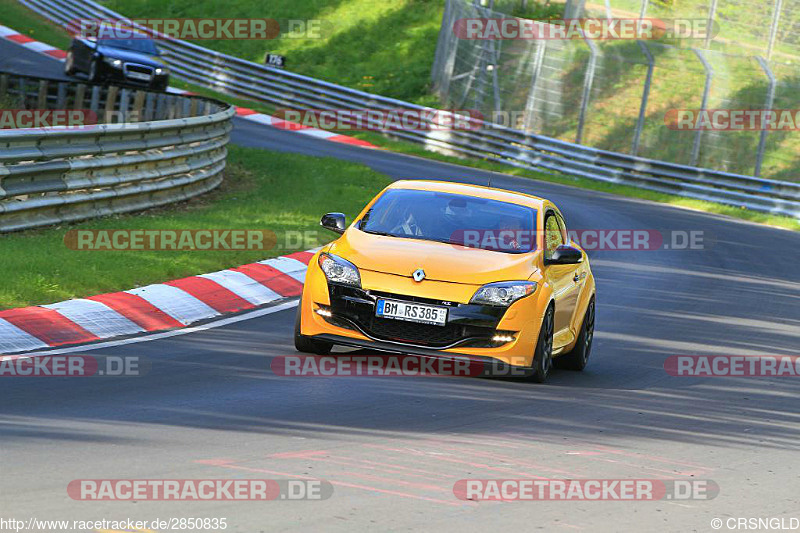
(148, 149)
(493, 142)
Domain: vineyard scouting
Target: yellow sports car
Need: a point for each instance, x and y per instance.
(452, 270)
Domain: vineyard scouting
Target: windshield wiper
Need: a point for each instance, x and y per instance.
(382, 233)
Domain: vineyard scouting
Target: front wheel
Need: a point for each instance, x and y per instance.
(543, 354)
(579, 356)
(307, 344)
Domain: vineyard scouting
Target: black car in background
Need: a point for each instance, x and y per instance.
(135, 62)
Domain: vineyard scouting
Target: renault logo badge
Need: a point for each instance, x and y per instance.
(418, 274)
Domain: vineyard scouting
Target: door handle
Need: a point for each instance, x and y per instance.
(576, 278)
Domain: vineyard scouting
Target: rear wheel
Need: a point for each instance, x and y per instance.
(579, 356)
(543, 355)
(307, 344)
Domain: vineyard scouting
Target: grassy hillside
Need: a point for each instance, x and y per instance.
(381, 46)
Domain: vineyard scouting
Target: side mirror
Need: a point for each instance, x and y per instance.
(334, 222)
(565, 255)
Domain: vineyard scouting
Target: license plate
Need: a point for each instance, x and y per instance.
(411, 312)
(139, 76)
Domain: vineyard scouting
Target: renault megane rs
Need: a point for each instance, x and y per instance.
(452, 270)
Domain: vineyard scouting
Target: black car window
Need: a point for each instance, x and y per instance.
(453, 218)
(144, 46)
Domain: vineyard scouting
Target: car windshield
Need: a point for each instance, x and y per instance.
(144, 46)
(453, 219)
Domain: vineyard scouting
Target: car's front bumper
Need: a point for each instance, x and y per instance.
(122, 76)
(469, 331)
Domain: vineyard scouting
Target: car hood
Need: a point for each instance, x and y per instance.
(131, 56)
(440, 261)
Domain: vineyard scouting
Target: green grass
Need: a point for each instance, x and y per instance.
(16, 16)
(380, 46)
(262, 190)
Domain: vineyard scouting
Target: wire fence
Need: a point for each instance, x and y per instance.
(616, 94)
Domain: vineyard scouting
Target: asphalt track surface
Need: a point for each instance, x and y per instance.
(393, 447)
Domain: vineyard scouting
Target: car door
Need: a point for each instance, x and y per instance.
(562, 279)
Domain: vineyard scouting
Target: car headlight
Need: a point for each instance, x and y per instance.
(503, 293)
(339, 270)
(162, 71)
(116, 63)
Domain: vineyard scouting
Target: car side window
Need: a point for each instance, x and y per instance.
(553, 236)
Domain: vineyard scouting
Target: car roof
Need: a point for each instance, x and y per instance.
(479, 191)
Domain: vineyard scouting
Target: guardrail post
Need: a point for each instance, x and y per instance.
(111, 100)
(3, 84)
(648, 80)
(706, 88)
(80, 95)
(171, 111)
(94, 102)
(61, 98)
(588, 80)
(773, 31)
(193, 107)
(160, 105)
(124, 102)
(23, 92)
(762, 140)
(41, 101)
(138, 104)
(186, 107)
(149, 106)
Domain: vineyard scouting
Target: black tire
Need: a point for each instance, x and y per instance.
(306, 344)
(577, 358)
(69, 64)
(543, 354)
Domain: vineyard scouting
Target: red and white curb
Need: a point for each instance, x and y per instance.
(31, 44)
(161, 306)
(248, 114)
